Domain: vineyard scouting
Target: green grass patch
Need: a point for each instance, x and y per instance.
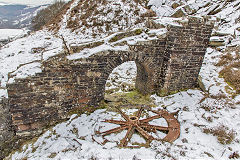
(120, 36)
(134, 97)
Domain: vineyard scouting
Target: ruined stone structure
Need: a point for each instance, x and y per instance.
(164, 65)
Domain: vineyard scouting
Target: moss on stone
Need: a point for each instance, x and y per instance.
(114, 39)
(113, 90)
(85, 110)
(175, 5)
(52, 155)
(132, 98)
(122, 35)
(138, 31)
(163, 92)
(75, 49)
(216, 43)
(201, 85)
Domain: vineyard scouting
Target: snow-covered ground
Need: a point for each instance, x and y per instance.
(6, 34)
(23, 57)
(76, 138)
(122, 77)
(202, 115)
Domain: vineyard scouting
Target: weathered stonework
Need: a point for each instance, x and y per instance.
(163, 65)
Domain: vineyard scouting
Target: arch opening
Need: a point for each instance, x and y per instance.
(122, 78)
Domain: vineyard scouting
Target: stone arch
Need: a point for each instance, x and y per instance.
(145, 70)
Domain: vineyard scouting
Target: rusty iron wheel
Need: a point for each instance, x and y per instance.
(142, 126)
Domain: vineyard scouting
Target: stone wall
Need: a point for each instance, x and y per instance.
(185, 50)
(6, 131)
(163, 66)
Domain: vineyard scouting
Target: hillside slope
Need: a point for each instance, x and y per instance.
(87, 19)
(209, 118)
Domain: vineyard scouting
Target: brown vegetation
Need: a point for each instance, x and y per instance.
(234, 155)
(222, 133)
(45, 16)
(225, 59)
(231, 67)
(149, 13)
(88, 14)
(231, 74)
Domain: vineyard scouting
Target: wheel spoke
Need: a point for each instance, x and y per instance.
(113, 130)
(127, 137)
(161, 128)
(139, 112)
(143, 133)
(123, 114)
(161, 112)
(149, 119)
(115, 122)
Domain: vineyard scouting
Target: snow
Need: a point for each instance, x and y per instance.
(216, 38)
(209, 73)
(20, 58)
(76, 138)
(162, 7)
(85, 53)
(65, 141)
(122, 76)
(6, 34)
(107, 14)
(27, 70)
(28, 2)
(170, 21)
(3, 93)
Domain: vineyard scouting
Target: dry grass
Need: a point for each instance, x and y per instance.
(231, 67)
(213, 103)
(87, 14)
(216, 97)
(53, 23)
(149, 13)
(231, 74)
(225, 59)
(222, 133)
(48, 14)
(234, 155)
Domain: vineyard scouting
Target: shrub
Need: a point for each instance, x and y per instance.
(234, 155)
(231, 76)
(47, 14)
(149, 13)
(225, 59)
(222, 133)
(231, 67)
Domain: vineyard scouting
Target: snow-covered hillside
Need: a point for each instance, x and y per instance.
(20, 18)
(209, 119)
(227, 12)
(89, 19)
(28, 2)
(6, 34)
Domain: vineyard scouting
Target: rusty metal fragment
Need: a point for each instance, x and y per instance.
(133, 124)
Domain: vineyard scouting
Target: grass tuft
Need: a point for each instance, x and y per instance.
(224, 136)
(234, 155)
(231, 74)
